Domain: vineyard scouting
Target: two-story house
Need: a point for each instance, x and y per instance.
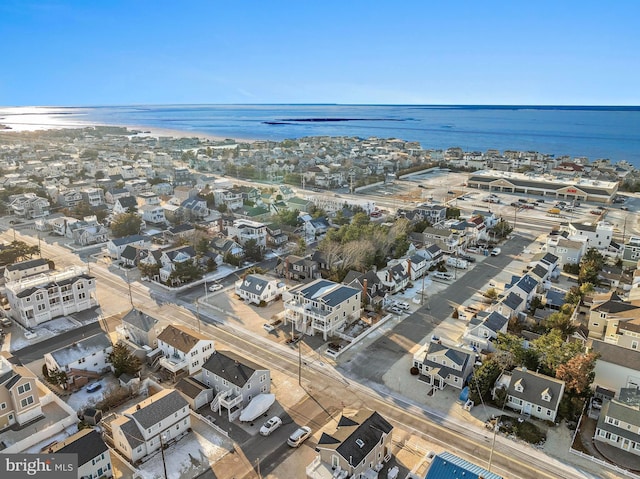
(94, 459)
(235, 381)
(152, 214)
(358, 447)
(297, 268)
(568, 251)
(29, 206)
(440, 364)
(598, 236)
(617, 367)
(116, 246)
(140, 328)
(322, 306)
(36, 299)
(373, 291)
(484, 328)
(607, 312)
(183, 349)
(531, 393)
(87, 358)
(149, 425)
(125, 204)
(526, 287)
(259, 289)
(395, 277)
(509, 306)
(94, 197)
(244, 230)
(631, 251)
(275, 236)
(619, 422)
(19, 399)
(16, 271)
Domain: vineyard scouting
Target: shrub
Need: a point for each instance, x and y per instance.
(529, 432)
(414, 371)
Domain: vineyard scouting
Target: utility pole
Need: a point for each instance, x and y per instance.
(198, 316)
(164, 463)
(300, 363)
(129, 287)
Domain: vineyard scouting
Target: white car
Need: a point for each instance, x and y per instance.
(299, 436)
(271, 425)
(215, 287)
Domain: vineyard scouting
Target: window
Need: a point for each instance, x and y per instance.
(634, 344)
(263, 378)
(24, 388)
(3, 406)
(26, 401)
(613, 421)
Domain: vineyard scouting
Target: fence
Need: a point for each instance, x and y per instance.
(210, 423)
(606, 464)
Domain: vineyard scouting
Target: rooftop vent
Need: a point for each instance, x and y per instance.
(360, 442)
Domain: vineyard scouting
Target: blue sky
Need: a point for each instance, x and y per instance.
(349, 51)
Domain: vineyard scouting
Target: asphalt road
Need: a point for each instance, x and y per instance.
(373, 362)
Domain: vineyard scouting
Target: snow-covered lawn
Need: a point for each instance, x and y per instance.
(61, 436)
(44, 331)
(82, 398)
(187, 458)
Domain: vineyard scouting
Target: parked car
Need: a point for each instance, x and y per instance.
(215, 287)
(624, 208)
(443, 275)
(299, 436)
(268, 328)
(91, 388)
(271, 425)
(496, 251)
(470, 259)
(5, 322)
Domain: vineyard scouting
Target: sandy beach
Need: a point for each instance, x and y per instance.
(20, 119)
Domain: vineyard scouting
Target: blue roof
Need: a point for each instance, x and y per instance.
(448, 466)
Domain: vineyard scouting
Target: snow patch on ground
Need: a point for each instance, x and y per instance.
(61, 436)
(185, 459)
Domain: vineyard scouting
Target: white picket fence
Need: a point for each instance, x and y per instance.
(606, 464)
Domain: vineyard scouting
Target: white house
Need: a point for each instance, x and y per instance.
(245, 230)
(258, 288)
(619, 422)
(143, 428)
(36, 299)
(16, 271)
(359, 445)
(116, 246)
(152, 214)
(87, 358)
(322, 306)
(616, 367)
(19, 399)
(94, 459)
(532, 393)
(29, 206)
(597, 236)
(125, 204)
(235, 382)
(482, 330)
(440, 364)
(183, 349)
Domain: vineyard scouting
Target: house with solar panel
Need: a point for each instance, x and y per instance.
(449, 466)
(359, 446)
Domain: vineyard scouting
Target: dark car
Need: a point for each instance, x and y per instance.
(470, 259)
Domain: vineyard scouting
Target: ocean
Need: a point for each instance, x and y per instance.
(593, 132)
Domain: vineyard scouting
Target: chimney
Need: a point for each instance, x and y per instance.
(409, 268)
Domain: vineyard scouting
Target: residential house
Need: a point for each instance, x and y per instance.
(88, 231)
(86, 358)
(125, 204)
(449, 241)
(116, 246)
(29, 206)
(94, 197)
(607, 313)
(395, 277)
(140, 328)
(509, 306)
(245, 230)
(373, 291)
(259, 289)
(619, 422)
(196, 393)
(525, 287)
(149, 425)
(531, 393)
(115, 194)
(483, 329)
(449, 466)
(432, 213)
(597, 236)
(195, 208)
(152, 214)
(94, 459)
(616, 367)
(297, 268)
(233, 200)
(433, 253)
(224, 246)
(418, 266)
(358, 447)
(235, 381)
(631, 251)
(130, 256)
(322, 306)
(568, 251)
(183, 349)
(69, 198)
(16, 271)
(169, 258)
(440, 364)
(316, 227)
(181, 231)
(36, 299)
(275, 236)
(19, 399)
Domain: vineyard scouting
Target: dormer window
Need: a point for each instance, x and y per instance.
(519, 386)
(546, 395)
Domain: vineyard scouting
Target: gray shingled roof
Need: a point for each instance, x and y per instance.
(87, 444)
(255, 283)
(227, 365)
(159, 409)
(533, 386)
(24, 265)
(191, 387)
(611, 353)
(140, 320)
(495, 321)
(623, 412)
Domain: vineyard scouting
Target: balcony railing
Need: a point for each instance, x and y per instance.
(173, 364)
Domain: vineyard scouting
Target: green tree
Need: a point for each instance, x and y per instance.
(589, 271)
(17, 251)
(483, 379)
(453, 212)
(561, 322)
(502, 228)
(184, 272)
(123, 360)
(253, 251)
(202, 246)
(232, 259)
(288, 217)
(554, 351)
(149, 270)
(301, 248)
(126, 224)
